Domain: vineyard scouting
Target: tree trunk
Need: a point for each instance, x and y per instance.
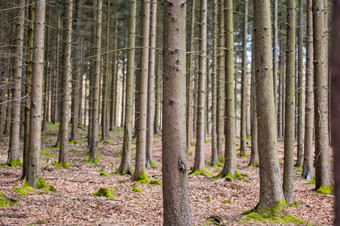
(46, 73)
(176, 200)
(114, 80)
(271, 193)
(143, 93)
(16, 94)
(322, 166)
(309, 108)
(95, 96)
(244, 88)
(199, 152)
(125, 165)
(157, 91)
(230, 140)
(275, 51)
(151, 84)
(33, 167)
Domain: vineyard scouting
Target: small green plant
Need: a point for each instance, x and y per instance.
(136, 189)
(106, 192)
(103, 173)
(47, 154)
(208, 198)
(189, 153)
(45, 186)
(207, 141)
(155, 182)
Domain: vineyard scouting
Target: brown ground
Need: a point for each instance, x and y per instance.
(74, 204)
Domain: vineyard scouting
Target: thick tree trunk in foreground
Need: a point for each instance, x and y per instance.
(199, 152)
(309, 125)
(33, 167)
(271, 193)
(288, 173)
(16, 94)
(176, 201)
(64, 119)
(125, 164)
(322, 166)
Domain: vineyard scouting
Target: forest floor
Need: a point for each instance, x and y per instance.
(73, 203)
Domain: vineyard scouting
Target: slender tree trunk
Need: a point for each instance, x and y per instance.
(114, 79)
(17, 74)
(199, 152)
(143, 93)
(309, 108)
(275, 51)
(125, 165)
(151, 84)
(220, 82)
(28, 73)
(322, 166)
(95, 96)
(157, 91)
(46, 73)
(230, 140)
(176, 201)
(122, 120)
(271, 193)
(244, 89)
(190, 72)
(33, 167)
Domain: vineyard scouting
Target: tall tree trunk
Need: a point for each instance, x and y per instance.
(244, 88)
(199, 152)
(190, 72)
(46, 73)
(157, 91)
(76, 74)
(143, 93)
(33, 167)
(114, 79)
(220, 82)
(17, 74)
(125, 165)
(230, 140)
(151, 84)
(64, 117)
(81, 85)
(309, 108)
(301, 89)
(288, 173)
(275, 50)
(176, 201)
(322, 166)
(271, 193)
(95, 96)
(28, 73)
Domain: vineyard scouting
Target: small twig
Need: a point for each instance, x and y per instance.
(20, 98)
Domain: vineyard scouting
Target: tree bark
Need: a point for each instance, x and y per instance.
(176, 202)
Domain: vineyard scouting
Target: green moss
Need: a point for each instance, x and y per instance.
(73, 142)
(325, 190)
(43, 138)
(298, 171)
(189, 153)
(228, 177)
(221, 159)
(153, 165)
(143, 178)
(242, 155)
(47, 154)
(103, 173)
(105, 192)
(238, 176)
(210, 223)
(136, 189)
(94, 161)
(207, 141)
(248, 137)
(217, 164)
(66, 165)
(192, 144)
(312, 181)
(100, 155)
(295, 203)
(208, 198)
(268, 212)
(281, 162)
(45, 186)
(256, 217)
(6, 202)
(226, 201)
(203, 171)
(53, 126)
(57, 145)
(24, 189)
(74, 150)
(135, 202)
(155, 182)
(14, 163)
(133, 149)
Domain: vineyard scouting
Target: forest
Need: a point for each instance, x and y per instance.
(170, 112)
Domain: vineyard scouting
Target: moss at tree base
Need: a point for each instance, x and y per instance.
(24, 189)
(65, 166)
(14, 163)
(143, 178)
(325, 190)
(136, 189)
(203, 172)
(45, 186)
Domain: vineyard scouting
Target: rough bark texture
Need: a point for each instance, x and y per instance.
(143, 93)
(220, 82)
(33, 167)
(244, 87)
(64, 117)
(230, 139)
(176, 203)
(335, 105)
(270, 182)
(288, 173)
(125, 164)
(151, 84)
(16, 90)
(46, 73)
(95, 103)
(190, 72)
(322, 166)
(157, 91)
(300, 89)
(199, 151)
(309, 108)
(275, 50)
(114, 79)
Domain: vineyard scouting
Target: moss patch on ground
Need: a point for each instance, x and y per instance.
(103, 173)
(155, 182)
(238, 176)
(312, 181)
(325, 190)
(66, 165)
(203, 171)
(242, 155)
(143, 178)
(24, 189)
(105, 192)
(94, 161)
(136, 189)
(45, 186)
(47, 154)
(14, 163)
(4, 202)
